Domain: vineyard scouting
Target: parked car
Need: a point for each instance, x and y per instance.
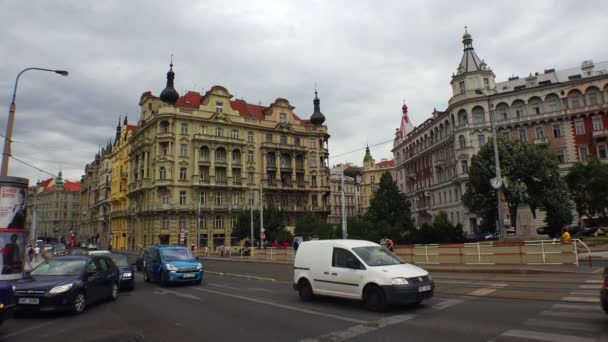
(59, 249)
(7, 300)
(79, 251)
(360, 270)
(168, 264)
(604, 291)
(139, 262)
(510, 231)
(99, 252)
(127, 271)
(67, 283)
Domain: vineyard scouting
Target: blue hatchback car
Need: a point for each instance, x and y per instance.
(171, 264)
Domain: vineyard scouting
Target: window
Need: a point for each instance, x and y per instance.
(506, 135)
(540, 134)
(519, 111)
(486, 82)
(557, 130)
(184, 128)
(503, 113)
(164, 149)
(300, 178)
(462, 141)
(313, 161)
(283, 118)
(561, 156)
(250, 136)
(482, 139)
(597, 124)
(283, 139)
(218, 222)
(313, 143)
(313, 181)
(220, 174)
(235, 199)
(296, 141)
(461, 86)
(251, 199)
(465, 166)
(165, 222)
(204, 171)
(523, 136)
(219, 107)
(593, 99)
(236, 175)
(183, 150)
(250, 178)
(218, 198)
(579, 127)
(204, 129)
(220, 155)
(552, 104)
(235, 134)
(203, 198)
(343, 259)
(315, 201)
(182, 173)
(250, 158)
(269, 138)
(162, 173)
(236, 157)
(182, 198)
(204, 153)
(582, 153)
(182, 223)
(575, 102)
(219, 132)
(601, 151)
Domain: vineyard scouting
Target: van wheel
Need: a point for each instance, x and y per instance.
(305, 290)
(374, 299)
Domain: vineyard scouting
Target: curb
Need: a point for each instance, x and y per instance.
(428, 268)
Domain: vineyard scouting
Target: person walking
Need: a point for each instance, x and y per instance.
(36, 253)
(389, 244)
(566, 238)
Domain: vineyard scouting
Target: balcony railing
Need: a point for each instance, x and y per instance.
(541, 141)
(600, 134)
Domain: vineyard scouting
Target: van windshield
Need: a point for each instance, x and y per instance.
(177, 254)
(377, 256)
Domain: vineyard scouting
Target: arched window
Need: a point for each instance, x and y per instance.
(462, 141)
(220, 154)
(478, 115)
(162, 173)
(204, 153)
(236, 156)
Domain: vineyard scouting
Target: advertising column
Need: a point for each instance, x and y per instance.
(13, 192)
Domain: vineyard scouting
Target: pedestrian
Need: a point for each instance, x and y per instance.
(36, 252)
(566, 238)
(389, 244)
(222, 250)
(275, 244)
(192, 247)
(296, 244)
(286, 245)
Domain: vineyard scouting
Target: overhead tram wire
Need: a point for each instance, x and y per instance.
(361, 149)
(32, 166)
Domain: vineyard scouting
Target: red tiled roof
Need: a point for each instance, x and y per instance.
(72, 186)
(248, 110)
(191, 100)
(131, 127)
(386, 163)
(46, 182)
(49, 185)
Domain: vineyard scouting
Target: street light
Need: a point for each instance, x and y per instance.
(11, 120)
(497, 181)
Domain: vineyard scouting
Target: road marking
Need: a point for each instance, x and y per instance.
(247, 276)
(223, 286)
(457, 282)
(259, 289)
(577, 307)
(493, 284)
(482, 292)
(177, 294)
(361, 329)
(28, 329)
(584, 293)
(563, 325)
(599, 270)
(287, 307)
(594, 281)
(447, 303)
(541, 336)
(581, 299)
(594, 287)
(568, 314)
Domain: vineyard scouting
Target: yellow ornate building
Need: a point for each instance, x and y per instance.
(122, 237)
(212, 154)
(370, 179)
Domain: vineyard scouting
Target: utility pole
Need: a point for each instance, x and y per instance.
(261, 212)
(344, 228)
(35, 218)
(251, 214)
(198, 224)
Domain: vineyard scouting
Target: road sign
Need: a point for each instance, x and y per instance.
(262, 235)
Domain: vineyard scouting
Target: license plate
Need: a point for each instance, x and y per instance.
(189, 275)
(29, 301)
(424, 288)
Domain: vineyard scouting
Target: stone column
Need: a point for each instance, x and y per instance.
(196, 158)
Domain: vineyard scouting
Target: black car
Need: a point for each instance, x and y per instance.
(127, 271)
(604, 291)
(68, 283)
(59, 249)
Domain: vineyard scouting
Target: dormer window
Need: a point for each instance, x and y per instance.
(486, 82)
(283, 118)
(219, 107)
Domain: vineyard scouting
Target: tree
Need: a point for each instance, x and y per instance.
(531, 173)
(389, 209)
(310, 226)
(442, 231)
(588, 184)
(559, 211)
(242, 229)
(273, 225)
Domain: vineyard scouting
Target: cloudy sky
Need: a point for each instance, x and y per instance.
(366, 57)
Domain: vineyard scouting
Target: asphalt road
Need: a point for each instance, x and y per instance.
(234, 308)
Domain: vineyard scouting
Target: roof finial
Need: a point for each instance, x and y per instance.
(465, 30)
(317, 118)
(169, 94)
(315, 89)
(171, 64)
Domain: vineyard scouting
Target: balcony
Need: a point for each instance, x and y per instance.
(164, 158)
(439, 163)
(541, 141)
(164, 182)
(600, 134)
(165, 136)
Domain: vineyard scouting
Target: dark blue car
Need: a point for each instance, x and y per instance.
(127, 271)
(68, 284)
(7, 300)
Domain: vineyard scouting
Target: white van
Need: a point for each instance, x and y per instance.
(360, 270)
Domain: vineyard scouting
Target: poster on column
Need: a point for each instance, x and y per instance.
(13, 196)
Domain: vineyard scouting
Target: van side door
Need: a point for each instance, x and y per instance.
(347, 273)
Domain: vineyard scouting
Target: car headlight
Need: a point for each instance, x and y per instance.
(400, 281)
(170, 267)
(199, 267)
(14, 288)
(60, 289)
(127, 275)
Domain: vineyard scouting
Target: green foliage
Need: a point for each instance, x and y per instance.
(363, 230)
(273, 225)
(559, 211)
(588, 184)
(311, 227)
(442, 231)
(532, 176)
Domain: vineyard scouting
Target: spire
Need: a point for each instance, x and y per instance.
(317, 118)
(470, 62)
(368, 160)
(169, 94)
(125, 122)
(118, 128)
(59, 179)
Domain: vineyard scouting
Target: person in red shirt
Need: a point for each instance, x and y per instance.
(285, 244)
(275, 244)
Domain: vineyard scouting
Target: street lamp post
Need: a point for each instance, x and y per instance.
(496, 182)
(11, 119)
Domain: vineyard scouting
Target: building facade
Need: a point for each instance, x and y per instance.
(370, 177)
(562, 110)
(352, 196)
(95, 193)
(210, 154)
(57, 205)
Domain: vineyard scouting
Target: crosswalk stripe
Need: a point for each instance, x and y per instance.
(570, 314)
(544, 323)
(584, 293)
(541, 336)
(482, 292)
(582, 299)
(594, 281)
(595, 287)
(577, 307)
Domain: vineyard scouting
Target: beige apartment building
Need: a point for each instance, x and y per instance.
(212, 154)
(352, 195)
(370, 178)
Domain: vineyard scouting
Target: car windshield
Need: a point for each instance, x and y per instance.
(58, 267)
(177, 254)
(120, 259)
(377, 256)
(59, 247)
